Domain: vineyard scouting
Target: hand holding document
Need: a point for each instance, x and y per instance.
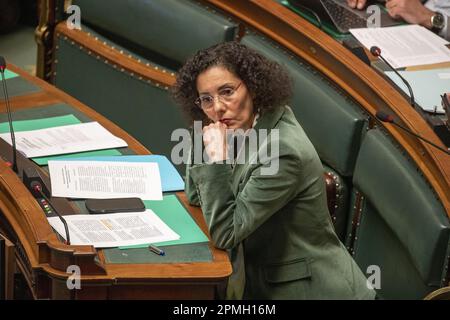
(64, 139)
(115, 229)
(405, 46)
(105, 180)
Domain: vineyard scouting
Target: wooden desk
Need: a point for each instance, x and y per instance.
(43, 259)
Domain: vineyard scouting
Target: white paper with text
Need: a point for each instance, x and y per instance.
(115, 229)
(105, 179)
(405, 46)
(64, 139)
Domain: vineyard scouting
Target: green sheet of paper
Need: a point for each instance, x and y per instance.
(36, 124)
(9, 74)
(172, 212)
(43, 161)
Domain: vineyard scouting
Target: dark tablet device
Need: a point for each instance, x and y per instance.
(99, 206)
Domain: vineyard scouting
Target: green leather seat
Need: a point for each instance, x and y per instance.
(333, 123)
(403, 228)
(166, 32)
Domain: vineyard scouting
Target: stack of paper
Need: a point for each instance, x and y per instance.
(64, 139)
(173, 213)
(170, 178)
(404, 46)
(116, 229)
(105, 179)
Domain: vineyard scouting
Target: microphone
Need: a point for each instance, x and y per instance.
(8, 111)
(37, 187)
(376, 52)
(390, 119)
(35, 182)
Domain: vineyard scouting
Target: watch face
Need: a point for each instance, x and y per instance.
(438, 21)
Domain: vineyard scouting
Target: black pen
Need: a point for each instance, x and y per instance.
(156, 250)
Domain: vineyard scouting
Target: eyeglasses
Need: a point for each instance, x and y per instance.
(226, 95)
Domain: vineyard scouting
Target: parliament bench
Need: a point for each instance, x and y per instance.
(372, 224)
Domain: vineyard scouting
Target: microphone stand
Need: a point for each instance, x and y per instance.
(377, 53)
(11, 129)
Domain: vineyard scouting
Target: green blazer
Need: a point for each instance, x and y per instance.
(281, 221)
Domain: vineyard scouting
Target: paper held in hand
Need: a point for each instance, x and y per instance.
(105, 179)
(64, 139)
(115, 229)
(405, 46)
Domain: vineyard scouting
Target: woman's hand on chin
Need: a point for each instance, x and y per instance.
(215, 140)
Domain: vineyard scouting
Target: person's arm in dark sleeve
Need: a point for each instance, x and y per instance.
(231, 219)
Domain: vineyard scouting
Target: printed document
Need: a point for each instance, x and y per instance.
(114, 229)
(64, 139)
(405, 46)
(105, 179)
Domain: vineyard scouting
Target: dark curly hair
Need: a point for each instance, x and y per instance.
(267, 81)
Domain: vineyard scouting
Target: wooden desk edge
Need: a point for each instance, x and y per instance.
(219, 268)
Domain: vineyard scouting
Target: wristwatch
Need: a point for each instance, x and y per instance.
(437, 22)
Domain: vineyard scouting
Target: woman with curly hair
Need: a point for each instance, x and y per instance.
(276, 226)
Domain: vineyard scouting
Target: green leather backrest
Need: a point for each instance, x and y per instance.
(333, 123)
(403, 229)
(140, 108)
(174, 29)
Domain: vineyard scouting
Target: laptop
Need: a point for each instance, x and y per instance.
(338, 13)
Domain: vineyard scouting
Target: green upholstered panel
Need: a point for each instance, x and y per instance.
(340, 210)
(143, 110)
(377, 244)
(130, 50)
(402, 217)
(171, 28)
(333, 123)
